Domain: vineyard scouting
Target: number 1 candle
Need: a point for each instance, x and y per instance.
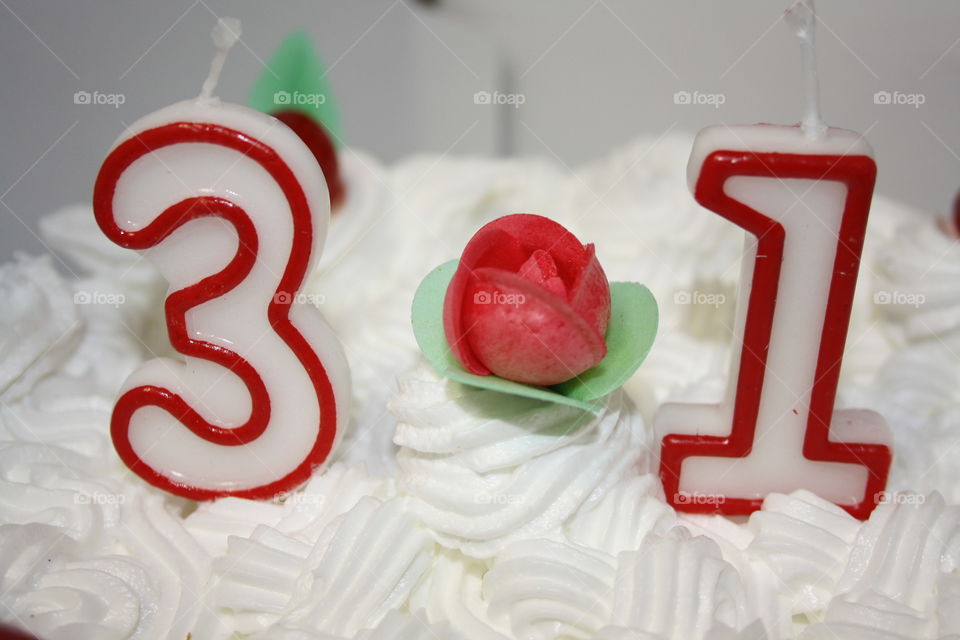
(232, 208)
(802, 194)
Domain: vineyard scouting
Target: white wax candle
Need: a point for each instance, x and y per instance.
(233, 209)
(804, 203)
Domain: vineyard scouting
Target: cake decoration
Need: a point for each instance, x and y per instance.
(803, 195)
(481, 487)
(527, 310)
(321, 146)
(257, 405)
(293, 89)
(525, 313)
(496, 515)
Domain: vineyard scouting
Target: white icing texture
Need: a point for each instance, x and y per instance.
(484, 469)
(916, 291)
(678, 586)
(460, 513)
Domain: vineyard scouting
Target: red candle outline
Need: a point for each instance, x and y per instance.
(858, 173)
(215, 285)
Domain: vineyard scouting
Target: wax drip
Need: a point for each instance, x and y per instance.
(802, 17)
(225, 34)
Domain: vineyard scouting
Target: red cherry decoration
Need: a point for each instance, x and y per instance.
(315, 137)
(956, 214)
(13, 633)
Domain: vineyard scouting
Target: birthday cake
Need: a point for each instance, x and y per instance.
(457, 504)
(471, 513)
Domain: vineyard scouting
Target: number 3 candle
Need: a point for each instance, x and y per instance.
(802, 194)
(232, 208)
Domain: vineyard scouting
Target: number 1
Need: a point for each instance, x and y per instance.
(805, 214)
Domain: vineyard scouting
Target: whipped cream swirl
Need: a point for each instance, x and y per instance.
(39, 328)
(452, 593)
(484, 469)
(679, 586)
(544, 589)
(364, 565)
(916, 291)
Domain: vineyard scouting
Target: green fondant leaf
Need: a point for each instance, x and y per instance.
(295, 78)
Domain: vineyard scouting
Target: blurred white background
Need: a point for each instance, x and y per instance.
(591, 75)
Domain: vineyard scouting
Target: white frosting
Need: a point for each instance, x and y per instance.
(119, 279)
(918, 391)
(484, 469)
(60, 591)
(862, 579)
(508, 518)
(806, 541)
(364, 565)
(452, 592)
(394, 626)
(84, 554)
(544, 589)
(371, 564)
(870, 615)
(55, 486)
(678, 586)
(948, 613)
(39, 326)
(918, 271)
(902, 550)
(630, 511)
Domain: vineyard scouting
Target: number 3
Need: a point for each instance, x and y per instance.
(232, 209)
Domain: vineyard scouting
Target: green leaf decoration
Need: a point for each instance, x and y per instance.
(295, 78)
(633, 327)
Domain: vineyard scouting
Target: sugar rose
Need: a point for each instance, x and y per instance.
(528, 303)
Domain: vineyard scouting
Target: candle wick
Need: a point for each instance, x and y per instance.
(802, 16)
(225, 34)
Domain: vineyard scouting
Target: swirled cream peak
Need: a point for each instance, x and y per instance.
(61, 591)
(39, 327)
(150, 532)
(483, 469)
(541, 589)
(372, 562)
(871, 615)
(629, 512)
(364, 565)
(79, 331)
(679, 586)
(806, 541)
(882, 578)
(47, 484)
(902, 550)
(917, 292)
(118, 285)
(917, 390)
(303, 514)
(452, 593)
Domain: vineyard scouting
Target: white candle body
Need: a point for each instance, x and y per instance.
(237, 320)
(810, 213)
